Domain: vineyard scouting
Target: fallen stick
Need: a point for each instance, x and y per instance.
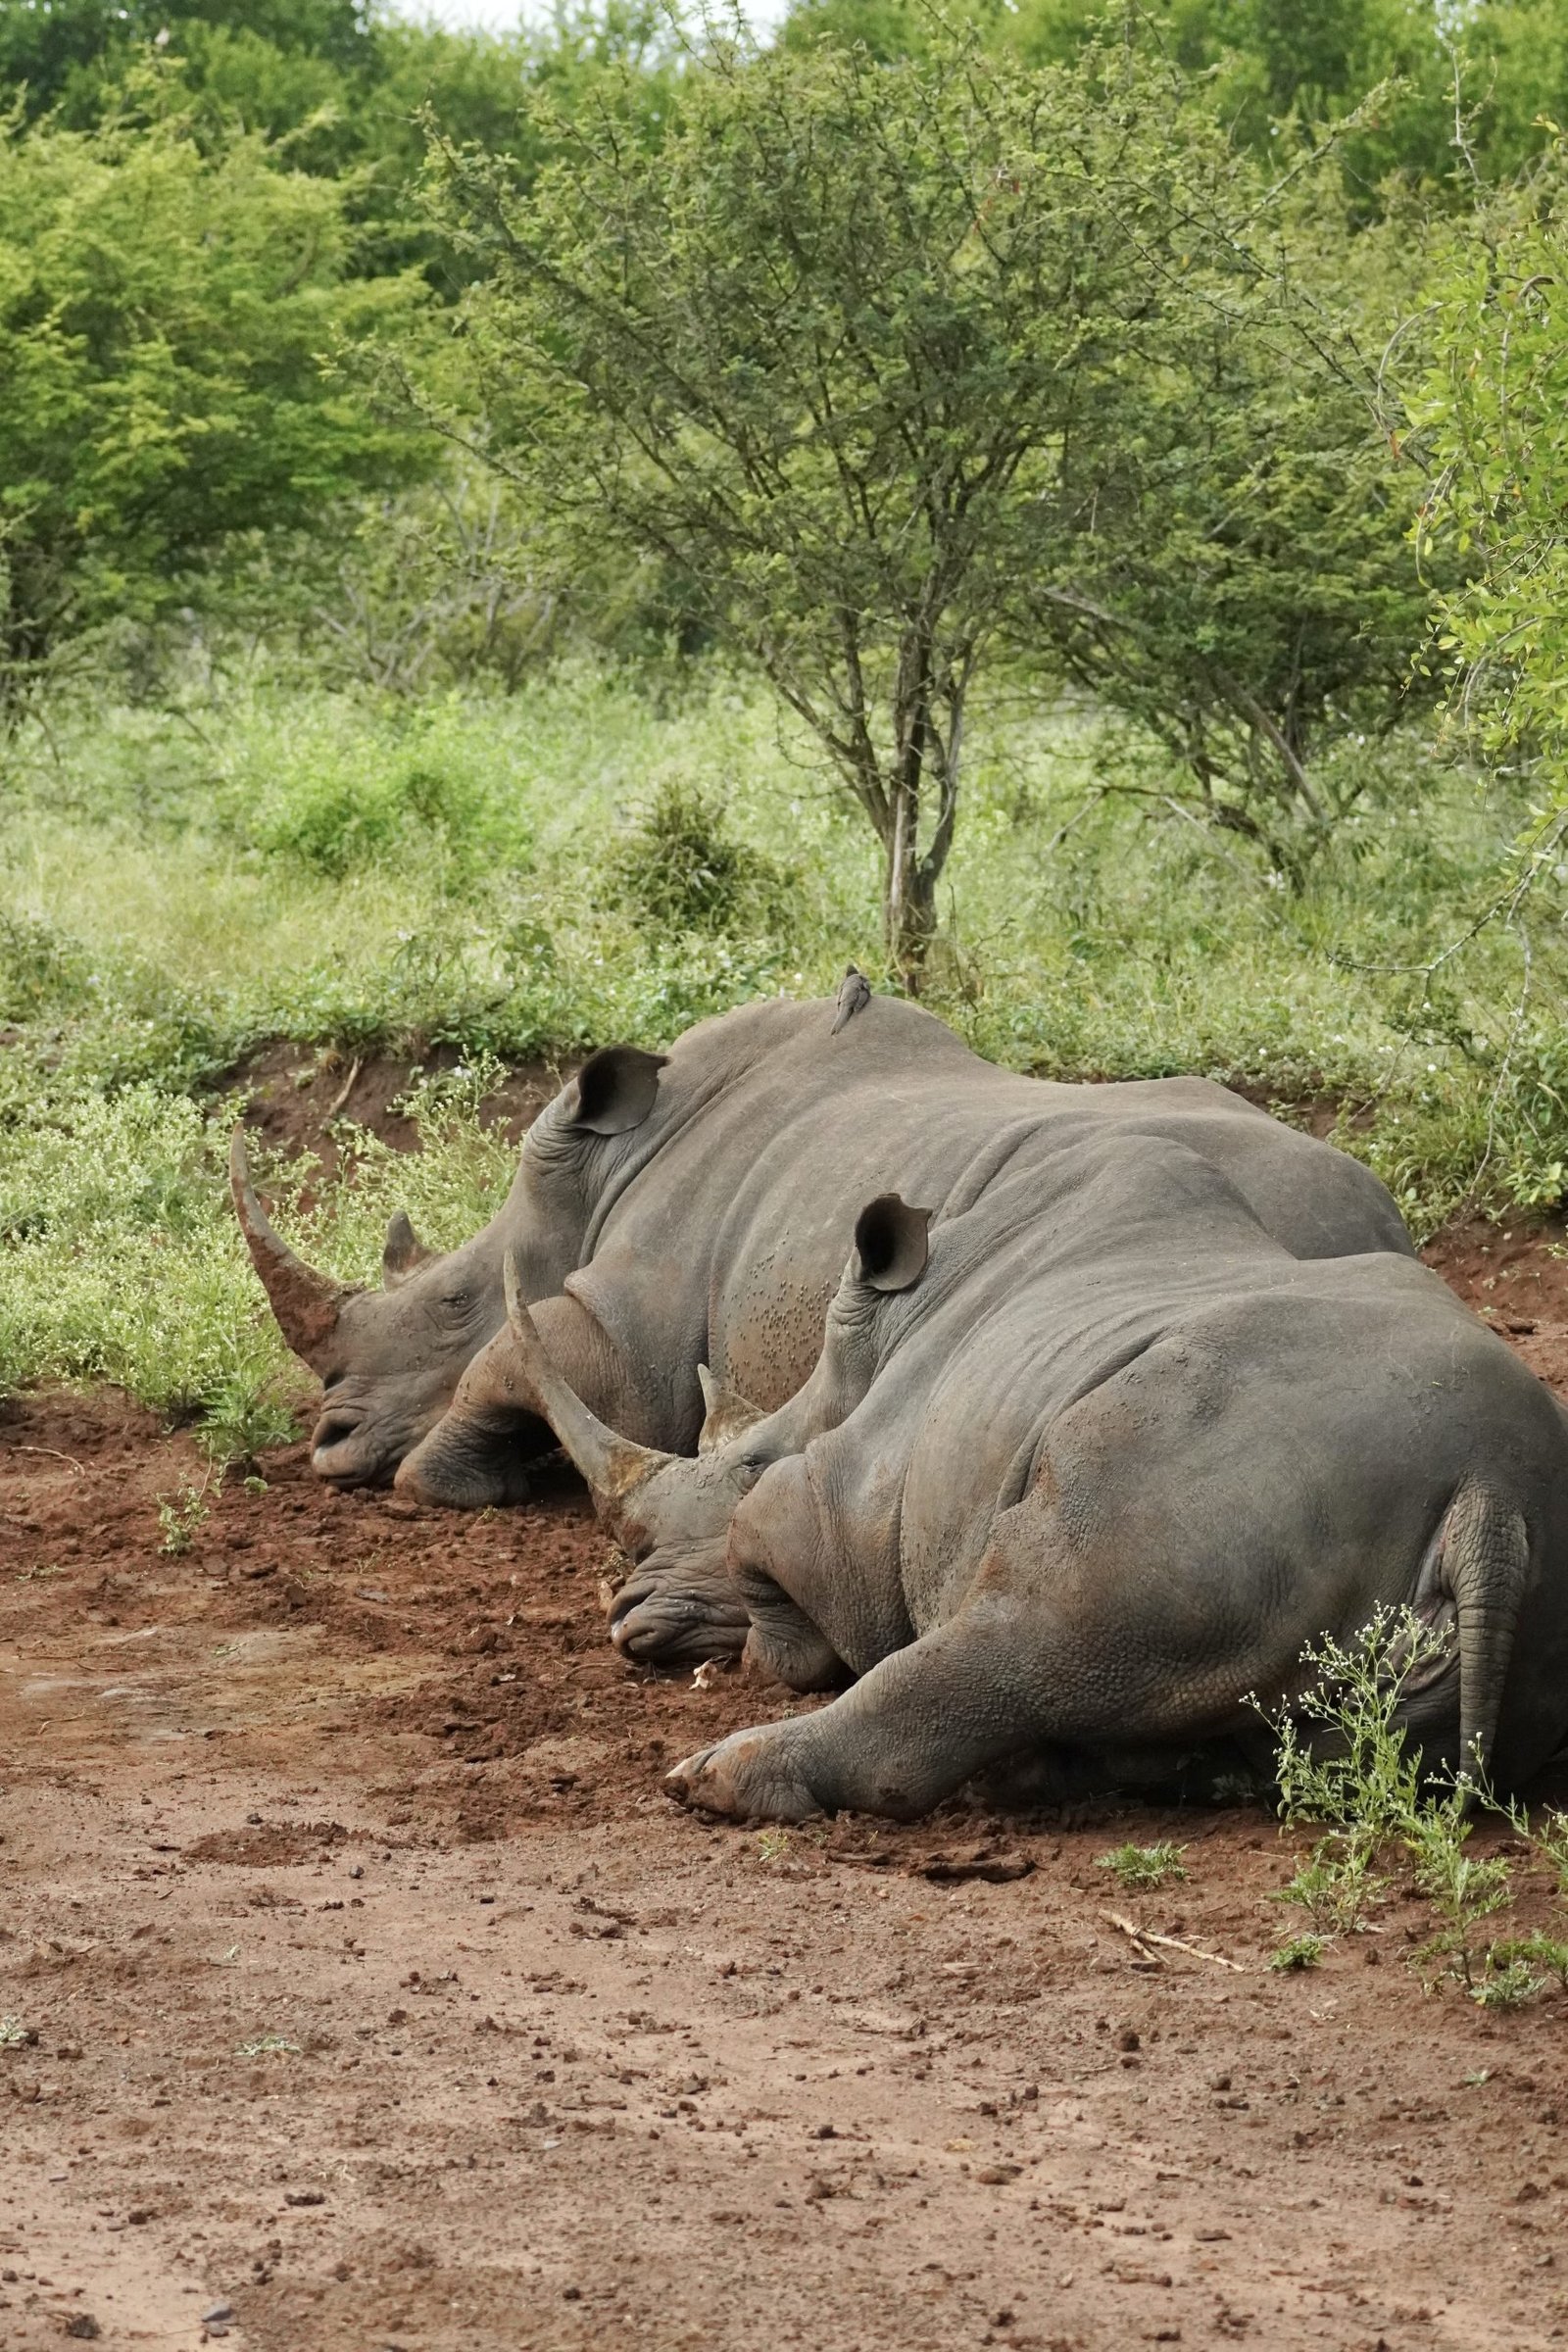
(344, 1091)
(1172, 1944)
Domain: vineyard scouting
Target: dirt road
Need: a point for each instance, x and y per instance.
(369, 1994)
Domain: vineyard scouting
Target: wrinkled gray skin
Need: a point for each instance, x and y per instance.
(1101, 1468)
(667, 1212)
(1061, 1494)
(721, 1225)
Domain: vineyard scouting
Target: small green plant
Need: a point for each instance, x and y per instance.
(1550, 1842)
(1353, 1772)
(268, 2046)
(1336, 1885)
(774, 1846)
(1463, 1892)
(242, 1419)
(1504, 1983)
(13, 2034)
(1300, 1953)
(1536, 1951)
(1341, 1762)
(180, 1515)
(1144, 1867)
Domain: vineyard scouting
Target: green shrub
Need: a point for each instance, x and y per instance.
(678, 867)
(42, 972)
(334, 795)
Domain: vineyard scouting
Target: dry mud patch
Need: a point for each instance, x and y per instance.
(374, 1996)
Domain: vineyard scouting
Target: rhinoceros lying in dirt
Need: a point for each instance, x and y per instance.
(731, 1242)
(668, 1210)
(1086, 1462)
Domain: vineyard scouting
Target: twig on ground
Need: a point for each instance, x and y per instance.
(81, 1468)
(1172, 1944)
(345, 1089)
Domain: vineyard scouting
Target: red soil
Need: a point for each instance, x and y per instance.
(564, 2066)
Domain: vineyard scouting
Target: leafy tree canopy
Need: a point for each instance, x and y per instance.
(1492, 407)
(165, 302)
(1271, 62)
(906, 364)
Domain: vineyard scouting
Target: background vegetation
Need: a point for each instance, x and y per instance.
(476, 547)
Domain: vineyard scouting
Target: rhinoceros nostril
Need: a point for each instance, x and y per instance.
(333, 1429)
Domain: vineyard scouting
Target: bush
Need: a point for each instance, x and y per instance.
(334, 795)
(42, 972)
(678, 869)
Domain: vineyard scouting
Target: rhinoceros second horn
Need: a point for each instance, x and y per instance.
(612, 1466)
(307, 1304)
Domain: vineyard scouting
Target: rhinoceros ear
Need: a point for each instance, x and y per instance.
(617, 1089)
(728, 1415)
(890, 1243)
(403, 1253)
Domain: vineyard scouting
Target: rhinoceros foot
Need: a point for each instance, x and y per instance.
(659, 1622)
(752, 1776)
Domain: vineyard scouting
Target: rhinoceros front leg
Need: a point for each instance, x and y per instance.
(678, 1618)
(907, 1735)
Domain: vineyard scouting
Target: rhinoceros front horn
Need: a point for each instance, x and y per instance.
(612, 1466)
(307, 1304)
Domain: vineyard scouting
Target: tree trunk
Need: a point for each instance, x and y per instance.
(909, 906)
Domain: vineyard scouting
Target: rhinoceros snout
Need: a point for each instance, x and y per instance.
(668, 1626)
(341, 1455)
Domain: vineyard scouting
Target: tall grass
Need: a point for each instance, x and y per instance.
(600, 857)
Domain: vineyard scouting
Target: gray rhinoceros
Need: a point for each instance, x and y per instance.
(668, 1210)
(719, 1232)
(1084, 1465)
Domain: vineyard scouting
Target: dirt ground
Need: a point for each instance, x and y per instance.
(361, 1989)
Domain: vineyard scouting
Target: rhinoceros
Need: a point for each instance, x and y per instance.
(671, 1209)
(718, 1232)
(1082, 1468)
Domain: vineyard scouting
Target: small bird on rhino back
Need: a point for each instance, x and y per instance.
(855, 994)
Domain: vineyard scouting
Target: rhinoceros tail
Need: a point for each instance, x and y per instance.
(1486, 1565)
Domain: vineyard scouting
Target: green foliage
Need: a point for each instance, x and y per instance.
(415, 787)
(1268, 62)
(1351, 1769)
(1141, 1868)
(165, 302)
(180, 1515)
(1298, 1954)
(678, 867)
(1356, 1773)
(903, 364)
(1494, 414)
(1463, 1892)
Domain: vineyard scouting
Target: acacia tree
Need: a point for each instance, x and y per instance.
(857, 349)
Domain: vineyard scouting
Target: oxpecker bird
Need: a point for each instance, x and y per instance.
(855, 992)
